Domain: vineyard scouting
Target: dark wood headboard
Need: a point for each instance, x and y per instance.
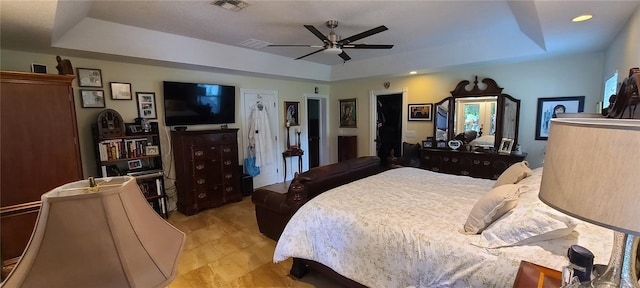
(625, 102)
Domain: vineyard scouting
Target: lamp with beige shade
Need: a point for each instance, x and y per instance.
(100, 233)
(591, 173)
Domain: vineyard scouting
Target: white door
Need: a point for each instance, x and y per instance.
(269, 173)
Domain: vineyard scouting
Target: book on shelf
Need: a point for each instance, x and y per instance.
(114, 149)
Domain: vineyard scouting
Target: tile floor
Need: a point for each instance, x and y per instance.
(224, 248)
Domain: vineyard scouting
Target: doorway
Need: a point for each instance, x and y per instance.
(317, 140)
(313, 110)
(388, 122)
(389, 126)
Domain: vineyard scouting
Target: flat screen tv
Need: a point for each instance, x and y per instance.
(197, 103)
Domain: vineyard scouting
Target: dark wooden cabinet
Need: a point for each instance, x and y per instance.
(347, 147)
(39, 150)
(474, 164)
(207, 170)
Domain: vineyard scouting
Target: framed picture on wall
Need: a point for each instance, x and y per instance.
(548, 108)
(291, 113)
(88, 77)
(420, 112)
(146, 105)
(120, 91)
(348, 115)
(92, 98)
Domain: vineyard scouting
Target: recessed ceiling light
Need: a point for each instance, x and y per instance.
(413, 72)
(581, 18)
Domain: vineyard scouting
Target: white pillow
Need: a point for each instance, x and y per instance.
(485, 141)
(514, 174)
(534, 179)
(531, 221)
(490, 207)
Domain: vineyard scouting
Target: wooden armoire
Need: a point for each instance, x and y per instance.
(39, 150)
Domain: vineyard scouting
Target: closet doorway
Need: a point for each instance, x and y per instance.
(270, 173)
(317, 140)
(388, 123)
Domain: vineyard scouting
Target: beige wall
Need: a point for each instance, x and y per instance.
(574, 75)
(146, 78)
(624, 51)
(577, 75)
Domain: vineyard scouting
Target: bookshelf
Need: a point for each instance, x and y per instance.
(136, 153)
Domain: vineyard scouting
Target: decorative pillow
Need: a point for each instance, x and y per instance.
(531, 221)
(491, 206)
(514, 174)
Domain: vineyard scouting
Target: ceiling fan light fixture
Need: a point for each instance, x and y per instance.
(333, 50)
(233, 5)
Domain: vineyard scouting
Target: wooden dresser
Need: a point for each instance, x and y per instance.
(207, 170)
(347, 147)
(474, 164)
(39, 150)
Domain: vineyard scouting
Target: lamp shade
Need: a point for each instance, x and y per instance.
(105, 238)
(592, 171)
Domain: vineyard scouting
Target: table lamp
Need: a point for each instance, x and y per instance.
(591, 172)
(100, 233)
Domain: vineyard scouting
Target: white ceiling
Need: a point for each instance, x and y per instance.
(428, 35)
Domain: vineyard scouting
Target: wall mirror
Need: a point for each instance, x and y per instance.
(478, 112)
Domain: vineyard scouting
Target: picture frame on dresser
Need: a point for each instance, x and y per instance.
(505, 146)
(92, 98)
(88, 77)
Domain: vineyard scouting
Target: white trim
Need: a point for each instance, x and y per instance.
(372, 114)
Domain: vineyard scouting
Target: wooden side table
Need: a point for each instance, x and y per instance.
(533, 275)
(292, 152)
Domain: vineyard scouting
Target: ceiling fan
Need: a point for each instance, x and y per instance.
(334, 45)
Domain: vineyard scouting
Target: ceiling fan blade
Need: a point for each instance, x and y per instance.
(344, 56)
(363, 34)
(295, 45)
(317, 33)
(310, 54)
(366, 46)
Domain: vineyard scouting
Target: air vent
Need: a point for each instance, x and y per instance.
(254, 43)
(233, 5)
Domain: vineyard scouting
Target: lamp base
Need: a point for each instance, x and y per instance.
(621, 270)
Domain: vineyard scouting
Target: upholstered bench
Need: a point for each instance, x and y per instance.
(275, 204)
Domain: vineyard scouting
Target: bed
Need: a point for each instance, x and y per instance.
(404, 228)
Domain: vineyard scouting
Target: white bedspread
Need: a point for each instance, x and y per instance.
(400, 228)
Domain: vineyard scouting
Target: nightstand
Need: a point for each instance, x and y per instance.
(533, 275)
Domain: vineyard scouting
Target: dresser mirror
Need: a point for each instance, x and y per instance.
(477, 112)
